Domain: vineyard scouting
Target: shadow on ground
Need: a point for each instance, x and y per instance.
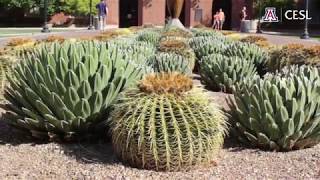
(9, 135)
(91, 152)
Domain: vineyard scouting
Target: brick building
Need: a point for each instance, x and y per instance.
(127, 13)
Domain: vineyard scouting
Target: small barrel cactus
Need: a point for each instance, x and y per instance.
(221, 73)
(6, 63)
(169, 62)
(278, 113)
(166, 125)
(65, 91)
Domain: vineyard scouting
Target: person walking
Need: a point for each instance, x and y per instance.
(222, 18)
(102, 12)
(216, 23)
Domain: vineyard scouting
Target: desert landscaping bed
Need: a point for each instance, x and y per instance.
(159, 103)
(22, 158)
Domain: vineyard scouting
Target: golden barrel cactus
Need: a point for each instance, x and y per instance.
(166, 125)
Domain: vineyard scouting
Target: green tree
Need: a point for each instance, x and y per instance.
(79, 7)
(31, 6)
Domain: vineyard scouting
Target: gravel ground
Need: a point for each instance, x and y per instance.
(22, 158)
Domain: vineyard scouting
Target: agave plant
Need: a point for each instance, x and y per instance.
(249, 52)
(149, 36)
(166, 125)
(66, 91)
(206, 33)
(279, 113)
(220, 72)
(169, 62)
(179, 47)
(202, 41)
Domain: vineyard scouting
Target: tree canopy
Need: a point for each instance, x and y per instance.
(73, 7)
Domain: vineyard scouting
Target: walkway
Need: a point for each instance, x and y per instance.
(272, 37)
(79, 32)
(280, 39)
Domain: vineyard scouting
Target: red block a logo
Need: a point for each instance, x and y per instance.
(270, 15)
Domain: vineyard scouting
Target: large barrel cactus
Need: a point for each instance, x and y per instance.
(65, 91)
(166, 125)
(221, 73)
(279, 113)
(170, 62)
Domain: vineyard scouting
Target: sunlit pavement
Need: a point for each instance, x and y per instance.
(276, 38)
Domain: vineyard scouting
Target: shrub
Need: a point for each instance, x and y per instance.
(169, 62)
(257, 40)
(54, 38)
(177, 32)
(294, 54)
(167, 45)
(14, 42)
(200, 26)
(65, 91)
(226, 33)
(221, 73)
(166, 125)
(111, 34)
(253, 39)
(278, 113)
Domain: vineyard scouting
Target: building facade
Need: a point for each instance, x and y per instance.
(126, 13)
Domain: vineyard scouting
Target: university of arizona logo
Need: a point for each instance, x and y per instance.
(270, 15)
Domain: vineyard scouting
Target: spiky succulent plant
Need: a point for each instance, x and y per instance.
(249, 52)
(221, 73)
(66, 90)
(206, 33)
(179, 47)
(169, 62)
(166, 125)
(279, 113)
(149, 36)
